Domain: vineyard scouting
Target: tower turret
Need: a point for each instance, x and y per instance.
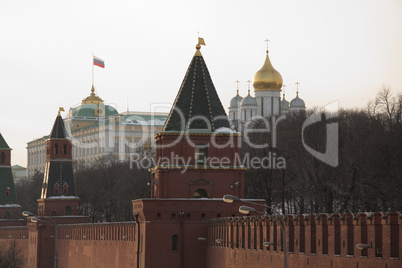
(58, 197)
(9, 207)
(195, 138)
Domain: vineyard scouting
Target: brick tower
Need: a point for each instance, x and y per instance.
(196, 165)
(58, 197)
(196, 151)
(9, 208)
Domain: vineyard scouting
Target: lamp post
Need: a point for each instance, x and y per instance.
(35, 219)
(247, 209)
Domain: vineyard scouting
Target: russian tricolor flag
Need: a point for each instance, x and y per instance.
(99, 62)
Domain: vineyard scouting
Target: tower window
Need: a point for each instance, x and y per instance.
(65, 149)
(201, 153)
(3, 158)
(7, 192)
(56, 149)
(175, 243)
(200, 193)
(68, 210)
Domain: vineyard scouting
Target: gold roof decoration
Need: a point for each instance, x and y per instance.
(92, 99)
(198, 47)
(267, 78)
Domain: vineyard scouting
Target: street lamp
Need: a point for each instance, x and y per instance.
(247, 209)
(36, 219)
(363, 246)
(269, 243)
(219, 241)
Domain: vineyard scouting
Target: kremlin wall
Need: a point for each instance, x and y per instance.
(185, 223)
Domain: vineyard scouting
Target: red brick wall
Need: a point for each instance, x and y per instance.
(328, 238)
(17, 235)
(98, 245)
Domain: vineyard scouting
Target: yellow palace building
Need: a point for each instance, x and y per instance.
(98, 130)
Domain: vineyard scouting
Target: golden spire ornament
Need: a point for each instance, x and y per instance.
(237, 82)
(297, 89)
(248, 82)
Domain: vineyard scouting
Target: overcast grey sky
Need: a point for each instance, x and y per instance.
(337, 50)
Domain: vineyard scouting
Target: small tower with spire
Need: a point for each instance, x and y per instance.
(9, 208)
(58, 197)
(195, 121)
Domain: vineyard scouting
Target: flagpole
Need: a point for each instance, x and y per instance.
(92, 69)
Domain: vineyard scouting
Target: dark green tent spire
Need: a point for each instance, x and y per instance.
(197, 105)
(3, 144)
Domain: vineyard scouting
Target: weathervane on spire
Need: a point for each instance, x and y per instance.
(237, 82)
(248, 82)
(61, 109)
(198, 46)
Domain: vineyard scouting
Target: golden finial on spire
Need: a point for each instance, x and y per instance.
(284, 86)
(297, 89)
(237, 82)
(248, 82)
(92, 98)
(61, 109)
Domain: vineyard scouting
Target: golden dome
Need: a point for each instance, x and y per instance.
(92, 99)
(267, 78)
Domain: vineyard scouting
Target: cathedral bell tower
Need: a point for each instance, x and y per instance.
(58, 197)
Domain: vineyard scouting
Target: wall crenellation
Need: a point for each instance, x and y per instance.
(331, 235)
(14, 232)
(114, 231)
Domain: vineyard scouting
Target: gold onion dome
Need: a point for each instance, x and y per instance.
(267, 78)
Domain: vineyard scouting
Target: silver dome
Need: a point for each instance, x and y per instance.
(248, 101)
(235, 102)
(297, 103)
